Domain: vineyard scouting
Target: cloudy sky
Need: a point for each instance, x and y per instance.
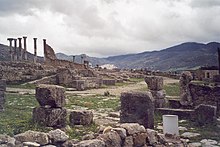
(110, 27)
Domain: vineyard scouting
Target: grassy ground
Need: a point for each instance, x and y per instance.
(22, 86)
(172, 89)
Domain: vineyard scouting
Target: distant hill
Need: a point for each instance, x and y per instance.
(5, 54)
(180, 57)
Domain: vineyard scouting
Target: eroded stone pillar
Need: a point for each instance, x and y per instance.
(44, 43)
(25, 48)
(15, 50)
(35, 50)
(10, 46)
(19, 49)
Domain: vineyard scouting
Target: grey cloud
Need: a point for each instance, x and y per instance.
(205, 3)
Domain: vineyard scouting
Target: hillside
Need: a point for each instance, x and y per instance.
(5, 54)
(184, 56)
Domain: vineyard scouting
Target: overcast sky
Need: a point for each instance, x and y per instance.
(110, 27)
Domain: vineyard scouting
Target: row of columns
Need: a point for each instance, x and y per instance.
(17, 53)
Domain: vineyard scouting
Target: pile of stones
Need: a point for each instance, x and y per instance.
(123, 135)
(155, 85)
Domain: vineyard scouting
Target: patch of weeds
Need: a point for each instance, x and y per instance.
(172, 89)
(94, 102)
(22, 86)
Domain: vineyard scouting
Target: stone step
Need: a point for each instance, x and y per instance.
(182, 113)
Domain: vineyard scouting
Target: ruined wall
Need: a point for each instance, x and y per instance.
(203, 94)
(51, 59)
(20, 72)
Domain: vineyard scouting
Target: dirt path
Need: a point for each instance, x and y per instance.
(117, 90)
(114, 90)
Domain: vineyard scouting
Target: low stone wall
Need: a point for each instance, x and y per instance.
(109, 82)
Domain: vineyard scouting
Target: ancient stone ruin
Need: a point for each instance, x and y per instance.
(185, 96)
(155, 85)
(51, 112)
(137, 107)
(2, 91)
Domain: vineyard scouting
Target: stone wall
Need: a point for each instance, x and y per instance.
(51, 59)
(204, 94)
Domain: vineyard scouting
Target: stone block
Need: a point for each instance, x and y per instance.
(160, 100)
(128, 142)
(79, 84)
(205, 114)
(154, 82)
(140, 139)
(81, 117)
(109, 82)
(133, 128)
(137, 107)
(51, 95)
(2, 85)
(50, 117)
(91, 143)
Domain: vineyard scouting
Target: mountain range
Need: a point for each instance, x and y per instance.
(189, 55)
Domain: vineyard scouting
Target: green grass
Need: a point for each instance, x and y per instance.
(23, 86)
(94, 102)
(172, 89)
(17, 116)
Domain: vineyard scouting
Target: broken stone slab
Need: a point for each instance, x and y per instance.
(50, 117)
(91, 143)
(189, 135)
(205, 114)
(31, 144)
(81, 117)
(208, 142)
(137, 107)
(51, 95)
(57, 136)
(121, 132)
(110, 82)
(80, 85)
(154, 82)
(152, 136)
(33, 136)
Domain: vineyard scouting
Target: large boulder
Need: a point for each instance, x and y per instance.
(81, 117)
(154, 82)
(51, 95)
(51, 117)
(33, 136)
(137, 107)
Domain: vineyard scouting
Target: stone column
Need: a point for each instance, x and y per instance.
(25, 48)
(74, 59)
(10, 46)
(20, 49)
(44, 42)
(35, 50)
(219, 61)
(15, 50)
